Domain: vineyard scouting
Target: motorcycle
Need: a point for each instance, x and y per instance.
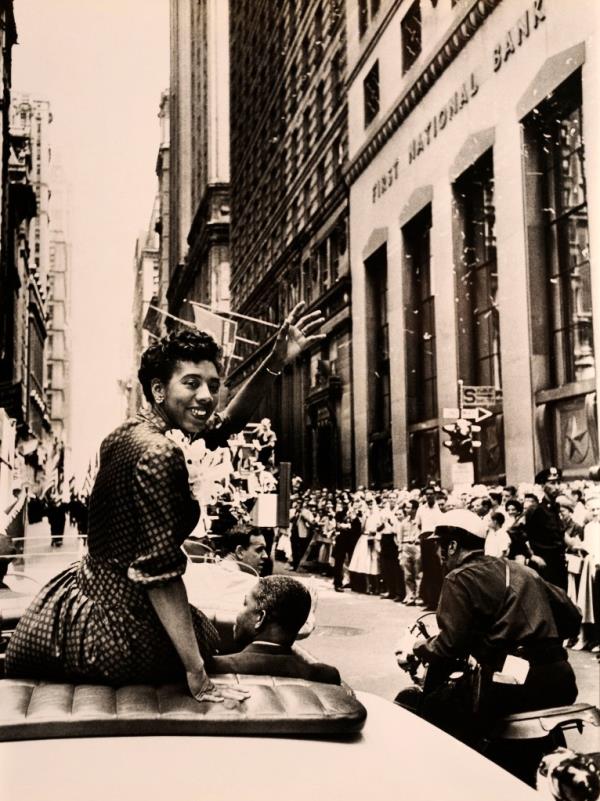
(517, 742)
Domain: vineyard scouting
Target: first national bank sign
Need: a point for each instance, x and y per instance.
(513, 39)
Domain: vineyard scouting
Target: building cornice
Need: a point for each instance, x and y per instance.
(457, 39)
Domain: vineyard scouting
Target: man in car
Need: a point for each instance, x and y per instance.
(266, 628)
(505, 616)
(246, 547)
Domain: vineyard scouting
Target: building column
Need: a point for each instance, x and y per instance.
(359, 369)
(395, 261)
(513, 303)
(444, 291)
(590, 88)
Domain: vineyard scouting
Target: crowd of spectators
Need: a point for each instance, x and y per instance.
(376, 541)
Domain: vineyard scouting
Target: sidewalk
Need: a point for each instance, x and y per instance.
(39, 560)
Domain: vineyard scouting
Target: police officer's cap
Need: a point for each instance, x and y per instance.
(462, 519)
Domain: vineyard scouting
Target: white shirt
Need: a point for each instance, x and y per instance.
(591, 540)
(496, 543)
(428, 517)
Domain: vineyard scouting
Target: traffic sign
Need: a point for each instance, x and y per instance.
(471, 396)
(476, 415)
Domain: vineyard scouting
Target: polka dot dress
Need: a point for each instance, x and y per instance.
(94, 621)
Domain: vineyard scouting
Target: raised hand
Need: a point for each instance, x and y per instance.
(296, 334)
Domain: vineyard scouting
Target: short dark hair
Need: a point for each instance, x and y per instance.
(284, 600)
(511, 489)
(186, 345)
(239, 534)
(531, 495)
(516, 503)
(498, 518)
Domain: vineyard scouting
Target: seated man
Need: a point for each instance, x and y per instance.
(274, 612)
(246, 547)
(505, 616)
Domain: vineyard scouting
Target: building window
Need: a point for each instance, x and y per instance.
(336, 78)
(320, 108)
(337, 160)
(293, 89)
(419, 321)
(321, 181)
(410, 29)
(306, 285)
(378, 365)
(305, 60)
(555, 172)
(324, 273)
(307, 201)
(294, 154)
(371, 94)
(363, 17)
(319, 29)
(306, 134)
(366, 12)
(477, 277)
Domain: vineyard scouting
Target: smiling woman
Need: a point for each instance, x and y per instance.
(122, 614)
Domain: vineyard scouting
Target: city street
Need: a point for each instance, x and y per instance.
(355, 632)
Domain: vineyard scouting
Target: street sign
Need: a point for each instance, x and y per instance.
(450, 414)
(477, 396)
(476, 415)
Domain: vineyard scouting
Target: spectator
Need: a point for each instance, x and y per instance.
(409, 551)
(497, 540)
(427, 517)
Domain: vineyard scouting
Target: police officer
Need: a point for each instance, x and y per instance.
(500, 613)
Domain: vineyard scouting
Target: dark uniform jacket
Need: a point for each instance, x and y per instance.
(479, 615)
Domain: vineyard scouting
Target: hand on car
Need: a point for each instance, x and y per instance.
(537, 561)
(202, 689)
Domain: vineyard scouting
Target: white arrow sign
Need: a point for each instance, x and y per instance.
(476, 415)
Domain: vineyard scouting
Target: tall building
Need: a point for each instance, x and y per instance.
(58, 343)
(163, 224)
(472, 129)
(146, 265)
(29, 167)
(199, 156)
(289, 235)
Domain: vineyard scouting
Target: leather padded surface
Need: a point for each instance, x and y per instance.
(277, 706)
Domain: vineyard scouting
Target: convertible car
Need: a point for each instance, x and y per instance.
(291, 740)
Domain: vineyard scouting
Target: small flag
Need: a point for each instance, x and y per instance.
(222, 329)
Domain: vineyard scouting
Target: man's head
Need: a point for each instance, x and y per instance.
(429, 495)
(247, 545)
(593, 507)
(508, 493)
(530, 502)
(442, 500)
(480, 505)
(565, 508)
(497, 521)
(459, 532)
(274, 610)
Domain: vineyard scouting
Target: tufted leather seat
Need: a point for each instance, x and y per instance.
(36, 710)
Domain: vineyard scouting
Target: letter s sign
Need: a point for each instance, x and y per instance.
(469, 396)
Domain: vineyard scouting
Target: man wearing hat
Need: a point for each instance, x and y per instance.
(498, 612)
(545, 535)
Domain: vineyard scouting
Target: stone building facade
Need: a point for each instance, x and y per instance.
(472, 131)
(289, 229)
